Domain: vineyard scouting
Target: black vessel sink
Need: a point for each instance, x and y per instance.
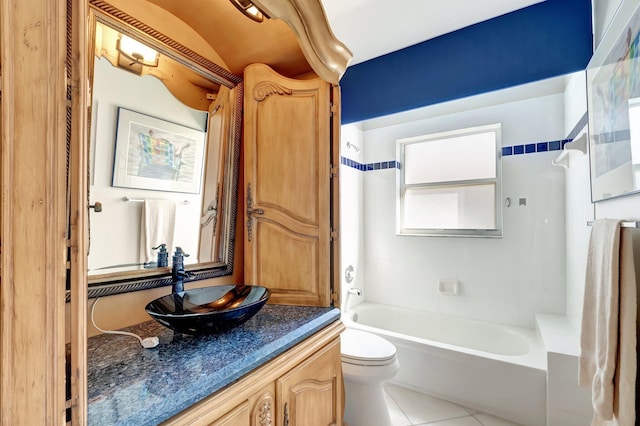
(208, 310)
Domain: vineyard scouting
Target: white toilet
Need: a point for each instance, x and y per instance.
(368, 361)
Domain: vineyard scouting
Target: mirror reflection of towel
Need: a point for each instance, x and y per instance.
(157, 226)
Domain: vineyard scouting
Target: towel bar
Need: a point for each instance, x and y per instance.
(624, 224)
(141, 200)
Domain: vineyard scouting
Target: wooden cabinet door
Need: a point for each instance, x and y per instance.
(258, 409)
(311, 393)
(287, 135)
(239, 416)
(264, 406)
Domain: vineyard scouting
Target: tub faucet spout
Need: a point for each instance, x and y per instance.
(350, 291)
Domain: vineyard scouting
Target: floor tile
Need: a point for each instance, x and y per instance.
(460, 421)
(395, 413)
(489, 420)
(420, 408)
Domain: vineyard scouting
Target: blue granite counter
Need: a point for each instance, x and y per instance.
(130, 385)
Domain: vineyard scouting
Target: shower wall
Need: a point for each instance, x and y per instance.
(505, 280)
(351, 216)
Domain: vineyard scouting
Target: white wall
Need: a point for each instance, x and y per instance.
(115, 233)
(351, 219)
(603, 12)
(579, 209)
(504, 280)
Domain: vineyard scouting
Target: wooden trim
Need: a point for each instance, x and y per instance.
(327, 55)
(78, 206)
(336, 264)
(124, 23)
(34, 216)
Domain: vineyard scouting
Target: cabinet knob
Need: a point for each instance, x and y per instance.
(97, 207)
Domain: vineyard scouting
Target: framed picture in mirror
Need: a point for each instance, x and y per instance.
(613, 96)
(156, 154)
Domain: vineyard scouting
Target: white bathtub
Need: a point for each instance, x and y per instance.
(496, 369)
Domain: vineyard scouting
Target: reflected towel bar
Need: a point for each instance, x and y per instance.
(624, 224)
(141, 200)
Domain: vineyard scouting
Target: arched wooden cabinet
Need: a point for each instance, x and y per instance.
(289, 232)
(287, 203)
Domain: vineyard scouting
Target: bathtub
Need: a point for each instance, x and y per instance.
(495, 369)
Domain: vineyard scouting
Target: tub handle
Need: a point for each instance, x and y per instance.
(349, 274)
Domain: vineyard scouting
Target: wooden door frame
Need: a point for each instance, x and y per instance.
(33, 211)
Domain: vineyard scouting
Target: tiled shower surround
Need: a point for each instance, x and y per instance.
(505, 280)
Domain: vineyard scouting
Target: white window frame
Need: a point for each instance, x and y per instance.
(401, 187)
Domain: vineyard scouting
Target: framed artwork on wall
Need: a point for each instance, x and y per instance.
(613, 96)
(156, 154)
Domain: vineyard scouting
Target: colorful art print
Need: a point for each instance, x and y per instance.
(613, 89)
(156, 154)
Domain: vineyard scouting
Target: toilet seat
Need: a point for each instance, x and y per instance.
(362, 348)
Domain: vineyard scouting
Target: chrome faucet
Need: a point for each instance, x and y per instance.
(178, 274)
(354, 290)
(350, 291)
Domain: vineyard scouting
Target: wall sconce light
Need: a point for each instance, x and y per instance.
(133, 55)
(249, 10)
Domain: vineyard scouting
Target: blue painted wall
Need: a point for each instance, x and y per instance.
(541, 41)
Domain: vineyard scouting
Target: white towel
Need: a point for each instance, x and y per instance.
(599, 331)
(624, 393)
(157, 226)
(608, 338)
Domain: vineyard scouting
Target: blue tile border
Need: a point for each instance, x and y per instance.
(392, 164)
(548, 145)
(529, 148)
(555, 145)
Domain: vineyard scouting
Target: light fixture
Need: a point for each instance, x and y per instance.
(249, 9)
(133, 55)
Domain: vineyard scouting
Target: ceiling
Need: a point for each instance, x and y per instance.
(237, 39)
(371, 28)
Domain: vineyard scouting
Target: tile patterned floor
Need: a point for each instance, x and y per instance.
(410, 408)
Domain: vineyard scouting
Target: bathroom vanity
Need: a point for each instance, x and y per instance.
(280, 367)
(48, 210)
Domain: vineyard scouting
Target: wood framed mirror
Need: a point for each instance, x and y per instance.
(164, 156)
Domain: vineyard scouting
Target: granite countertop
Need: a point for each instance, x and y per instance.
(132, 385)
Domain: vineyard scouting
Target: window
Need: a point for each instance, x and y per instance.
(449, 183)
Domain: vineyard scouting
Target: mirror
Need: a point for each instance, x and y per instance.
(613, 93)
(163, 160)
